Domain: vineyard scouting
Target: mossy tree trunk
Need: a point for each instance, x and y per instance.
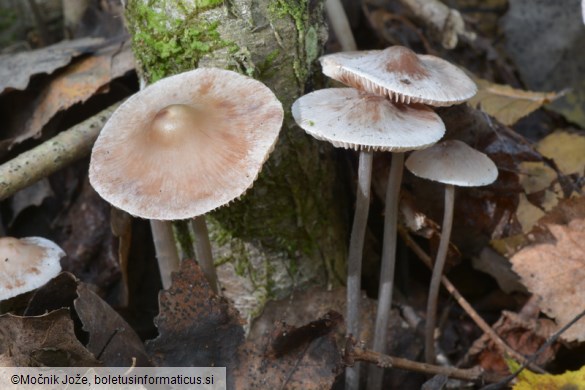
(289, 230)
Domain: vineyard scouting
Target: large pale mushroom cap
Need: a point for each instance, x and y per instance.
(352, 119)
(26, 264)
(453, 162)
(186, 145)
(402, 75)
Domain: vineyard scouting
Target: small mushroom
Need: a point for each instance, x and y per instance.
(186, 145)
(26, 264)
(452, 163)
(358, 120)
(402, 75)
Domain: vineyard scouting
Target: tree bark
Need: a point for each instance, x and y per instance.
(290, 229)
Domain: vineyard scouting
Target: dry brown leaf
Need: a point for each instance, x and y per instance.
(17, 69)
(525, 335)
(47, 340)
(555, 271)
(77, 84)
(508, 104)
(196, 327)
(111, 339)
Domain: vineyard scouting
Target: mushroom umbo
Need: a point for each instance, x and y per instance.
(405, 77)
(358, 120)
(26, 264)
(186, 145)
(452, 163)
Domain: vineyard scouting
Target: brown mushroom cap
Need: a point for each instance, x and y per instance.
(453, 162)
(402, 75)
(26, 264)
(352, 119)
(186, 145)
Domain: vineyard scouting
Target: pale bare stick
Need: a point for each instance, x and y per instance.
(476, 374)
(52, 155)
(501, 344)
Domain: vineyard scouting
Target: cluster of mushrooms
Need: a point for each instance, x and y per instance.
(158, 157)
(387, 110)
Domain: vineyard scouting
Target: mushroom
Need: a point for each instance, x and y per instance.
(353, 119)
(186, 145)
(404, 77)
(452, 163)
(26, 264)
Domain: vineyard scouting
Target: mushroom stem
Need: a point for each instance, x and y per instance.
(166, 250)
(437, 273)
(354, 261)
(203, 251)
(375, 374)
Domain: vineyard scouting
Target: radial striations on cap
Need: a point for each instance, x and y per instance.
(26, 264)
(453, 162)
(401, 75)
(353, 119)
(186, 145)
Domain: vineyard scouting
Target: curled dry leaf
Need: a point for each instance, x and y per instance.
(524, 335)
(46, 340)
(76, 84)
(196, 327)
(111, 339)
(507, 104)
(554, 267)
(17, 69)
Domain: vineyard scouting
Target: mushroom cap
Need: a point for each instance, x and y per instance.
(453, 162)
(186, 144)
(26, 264)
(402, 75)
(354, 119)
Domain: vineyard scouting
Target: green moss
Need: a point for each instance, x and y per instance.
(166, 46)
(297, 11)
(265, 68)
(183, 238)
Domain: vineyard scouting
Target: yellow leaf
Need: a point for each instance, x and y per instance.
(508, 104)
(567, 149)
(528, 380)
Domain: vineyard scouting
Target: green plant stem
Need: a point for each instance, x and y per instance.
(375, 374)
(166, 250)
(354, 260)
(437, 273)
(203, 251)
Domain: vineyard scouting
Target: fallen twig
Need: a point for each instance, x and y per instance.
(353, 353)
(466, 305)
(52, 155)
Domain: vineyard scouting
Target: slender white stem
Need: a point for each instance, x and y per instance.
(354, 260)
(166, 250)
(437, 273)
(375, 374)
(340, 24)
(203, 251)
